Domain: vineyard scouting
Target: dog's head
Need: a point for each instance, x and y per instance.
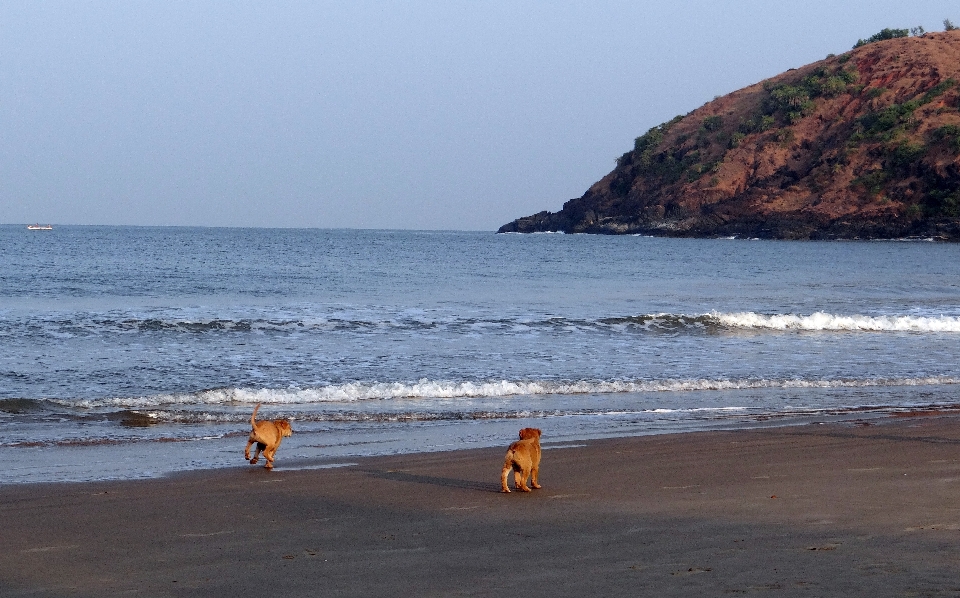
(284, 426)
(529, 433)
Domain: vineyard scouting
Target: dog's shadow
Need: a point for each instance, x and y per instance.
(402, 476)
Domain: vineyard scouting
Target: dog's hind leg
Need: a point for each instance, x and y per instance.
(503, 478)
(256, 454)
(520, 480)
(269, 454)
(535, 477)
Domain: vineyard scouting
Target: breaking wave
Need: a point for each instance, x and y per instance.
(714, 321)
(426, 389)
(825, 321)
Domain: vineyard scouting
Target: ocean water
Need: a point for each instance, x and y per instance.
(128, 352)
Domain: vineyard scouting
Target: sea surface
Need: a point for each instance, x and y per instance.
(131, 352)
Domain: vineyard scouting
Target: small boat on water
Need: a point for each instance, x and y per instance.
(39, 227)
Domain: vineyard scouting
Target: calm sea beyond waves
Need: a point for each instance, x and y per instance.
(130, 352)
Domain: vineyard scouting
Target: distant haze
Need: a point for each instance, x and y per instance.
(416, 115)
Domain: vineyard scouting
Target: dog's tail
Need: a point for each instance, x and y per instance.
(505, 472)
(510, 460)
(253, 416)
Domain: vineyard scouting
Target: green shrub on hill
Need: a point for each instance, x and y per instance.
(646, 144)
(756, 124)
(942, 202)
(795, 100)
(872, 181)
(712, 123)
(886, 123)
(949, 134)
(904, 157)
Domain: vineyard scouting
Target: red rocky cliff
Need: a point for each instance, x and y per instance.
(861, 145)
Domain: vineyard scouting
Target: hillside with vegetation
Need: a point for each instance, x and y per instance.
(861, 145)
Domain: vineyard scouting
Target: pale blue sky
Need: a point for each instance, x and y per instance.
(406, 114)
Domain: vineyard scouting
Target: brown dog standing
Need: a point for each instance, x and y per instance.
(267, 434)
(523, 457)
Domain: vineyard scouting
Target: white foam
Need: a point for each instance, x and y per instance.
(824, 321)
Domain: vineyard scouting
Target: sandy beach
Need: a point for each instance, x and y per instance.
(840, 509)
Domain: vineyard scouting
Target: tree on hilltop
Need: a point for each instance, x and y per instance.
(883, 35)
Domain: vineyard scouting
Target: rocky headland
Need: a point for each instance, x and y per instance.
(863, 145)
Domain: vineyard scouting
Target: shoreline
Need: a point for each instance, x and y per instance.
(855, 508)
(104, 459)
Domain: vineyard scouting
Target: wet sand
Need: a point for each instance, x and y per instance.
(814, 510)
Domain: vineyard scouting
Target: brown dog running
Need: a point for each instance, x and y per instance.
(523, 457)
(267, 434)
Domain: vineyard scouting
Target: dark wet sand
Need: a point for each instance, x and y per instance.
(818, 510)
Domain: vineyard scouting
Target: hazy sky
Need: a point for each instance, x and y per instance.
(404, 114)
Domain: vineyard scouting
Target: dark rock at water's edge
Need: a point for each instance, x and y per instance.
(865, 145)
